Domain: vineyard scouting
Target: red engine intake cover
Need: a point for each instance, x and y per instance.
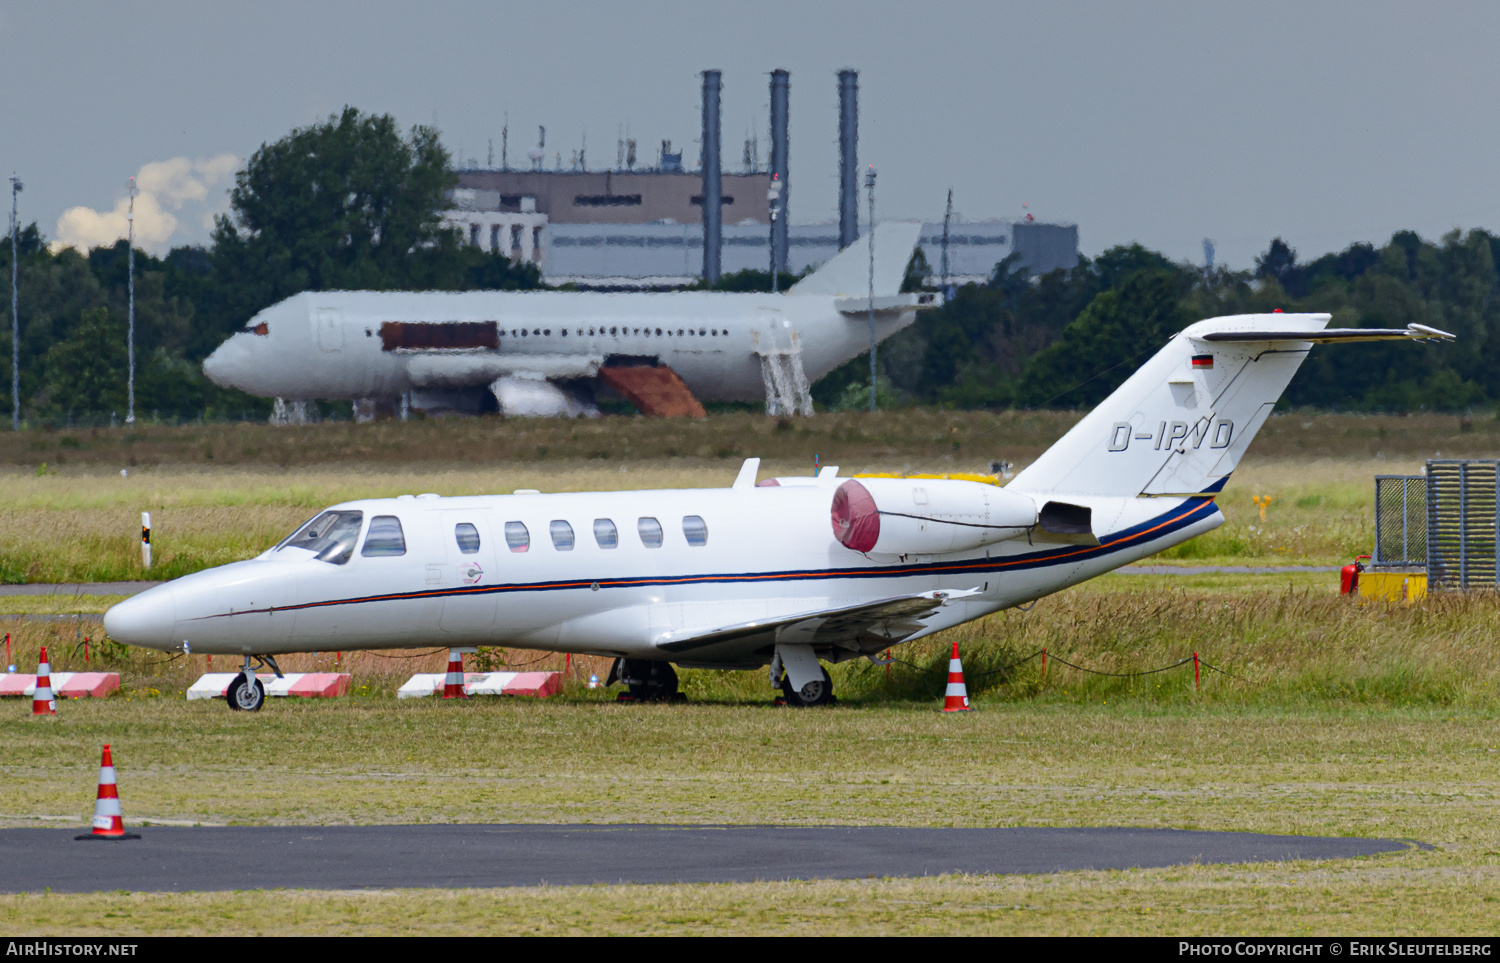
(856, 520)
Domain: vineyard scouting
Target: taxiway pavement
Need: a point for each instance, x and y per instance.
(180, 859)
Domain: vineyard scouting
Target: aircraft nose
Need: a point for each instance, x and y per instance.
(226, 366)
(146, 619)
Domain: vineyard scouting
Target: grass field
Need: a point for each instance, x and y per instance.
(1330, 717)
(1335, 718)
(84, 526)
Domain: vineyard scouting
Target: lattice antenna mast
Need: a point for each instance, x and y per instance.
(947, 217)
(870, 186)
(15, 322)
(130, 335)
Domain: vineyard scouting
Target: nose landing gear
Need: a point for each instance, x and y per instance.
(247, 693)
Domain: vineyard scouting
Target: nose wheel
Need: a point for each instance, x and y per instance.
(246, 695)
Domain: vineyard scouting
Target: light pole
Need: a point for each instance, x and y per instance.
(870, 186)
(774, 196)
(130, 336)
(15, 323)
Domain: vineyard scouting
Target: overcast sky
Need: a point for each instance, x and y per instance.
(1324, 123)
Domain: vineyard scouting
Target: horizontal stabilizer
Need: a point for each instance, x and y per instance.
(1412, 332)
(860, 307)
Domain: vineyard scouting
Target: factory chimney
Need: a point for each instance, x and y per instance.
(713, 209)
(848, 157)
(781, 85)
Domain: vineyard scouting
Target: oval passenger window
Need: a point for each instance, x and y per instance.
(695, 529)
(517, 537)
(562, 535)
(467, 536)
(605, 533)
(650, 531)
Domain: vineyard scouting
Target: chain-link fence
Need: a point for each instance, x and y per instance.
(1400, 521)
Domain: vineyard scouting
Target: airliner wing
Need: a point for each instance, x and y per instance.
(868, 625)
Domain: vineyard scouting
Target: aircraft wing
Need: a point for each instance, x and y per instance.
(864, 626)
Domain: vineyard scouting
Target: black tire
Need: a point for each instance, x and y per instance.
(243, 698)
(813, 694)
(650, 681)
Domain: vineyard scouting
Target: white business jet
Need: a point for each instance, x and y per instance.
(787, 572)
(542, 352)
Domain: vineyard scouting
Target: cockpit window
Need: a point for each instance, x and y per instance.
(260, 329)
(331, 536)
(385, 539)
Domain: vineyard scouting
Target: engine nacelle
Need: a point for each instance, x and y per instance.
(927, 516)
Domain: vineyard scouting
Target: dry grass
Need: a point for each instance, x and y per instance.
(1412, 895)
(905, 437)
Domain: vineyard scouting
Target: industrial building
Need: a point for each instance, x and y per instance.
(566, 224)
(651, 227)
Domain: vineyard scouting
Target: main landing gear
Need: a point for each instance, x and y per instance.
(246, 693)
(647, 681)
(818, 692)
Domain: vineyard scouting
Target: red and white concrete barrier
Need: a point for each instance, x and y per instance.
(541, 684)
(66, 685)
(307, 685)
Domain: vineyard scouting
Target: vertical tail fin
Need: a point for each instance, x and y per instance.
(1181, 423)
(847, 273)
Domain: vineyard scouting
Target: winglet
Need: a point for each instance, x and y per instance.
(748, 471)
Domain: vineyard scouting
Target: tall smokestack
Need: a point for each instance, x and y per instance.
(713, 209)
(781, 85)
(848, 157)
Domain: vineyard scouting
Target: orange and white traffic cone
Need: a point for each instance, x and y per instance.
(957, 696)
(109, 823)
(43, 703)
(453, 685)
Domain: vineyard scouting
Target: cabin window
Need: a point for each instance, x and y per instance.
(468, 538)
(695, 529)
(650, 532)
(330, 536)
(385, 538)
(562, 535)
(517, 537)
(605, 533)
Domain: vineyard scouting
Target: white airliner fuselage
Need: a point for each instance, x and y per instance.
(444, 347)
(788, 571)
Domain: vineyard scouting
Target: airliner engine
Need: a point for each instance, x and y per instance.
(927, 516)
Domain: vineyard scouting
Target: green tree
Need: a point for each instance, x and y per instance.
(86, 370)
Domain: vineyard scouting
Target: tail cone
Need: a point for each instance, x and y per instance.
(957, 697)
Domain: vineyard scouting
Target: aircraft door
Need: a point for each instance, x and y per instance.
(330, 326)
(468, 567)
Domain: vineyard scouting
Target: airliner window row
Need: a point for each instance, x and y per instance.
(620, 332)
(606, 534)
